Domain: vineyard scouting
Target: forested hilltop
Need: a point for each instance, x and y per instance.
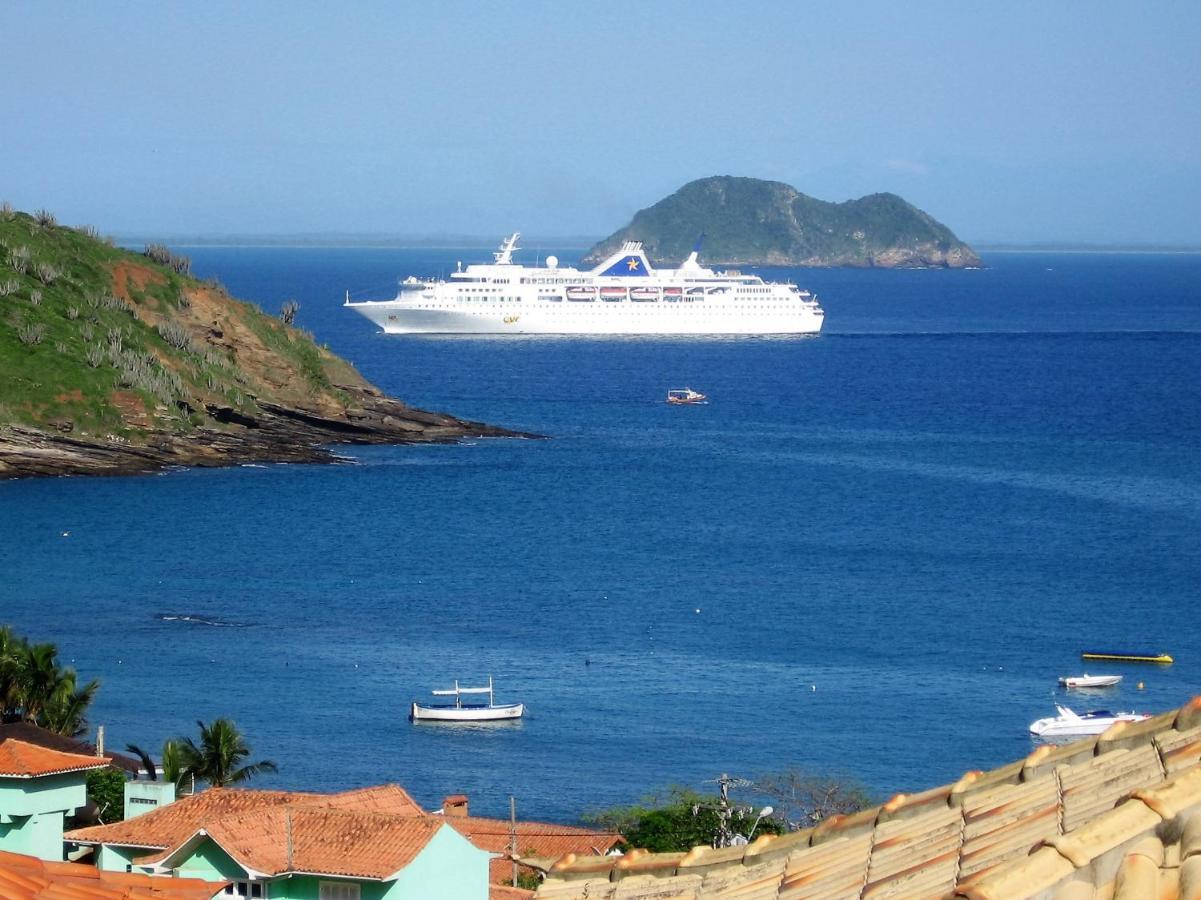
(113, 362)
(753, 222)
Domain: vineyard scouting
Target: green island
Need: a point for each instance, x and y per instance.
(748, 221)
(116, 362)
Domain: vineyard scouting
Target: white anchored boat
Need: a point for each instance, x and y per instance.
(458, 711)
(1071, 724)
(625, 294)
(685, 396)
(1089, 681)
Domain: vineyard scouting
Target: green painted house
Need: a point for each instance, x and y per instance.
(373, 844)
(39, 789)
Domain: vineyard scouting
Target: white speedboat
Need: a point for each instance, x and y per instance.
(1070, 724)
(1089, 681)
(458, 711)
(686, 395)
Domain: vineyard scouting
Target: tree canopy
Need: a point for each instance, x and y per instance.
(35, 688)
(218, 756)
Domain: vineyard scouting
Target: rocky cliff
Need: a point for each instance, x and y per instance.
(113, 362)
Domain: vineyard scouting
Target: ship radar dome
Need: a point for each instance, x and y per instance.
(552, 262)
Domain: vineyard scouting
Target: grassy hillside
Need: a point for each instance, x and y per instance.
(747, 220)
(98, 340)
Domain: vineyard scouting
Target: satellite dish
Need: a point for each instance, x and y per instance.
(552, 262)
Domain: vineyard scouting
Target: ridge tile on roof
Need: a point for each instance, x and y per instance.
(19, 759)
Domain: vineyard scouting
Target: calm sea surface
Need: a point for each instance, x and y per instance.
(873, 552)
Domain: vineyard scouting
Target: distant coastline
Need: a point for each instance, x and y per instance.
(566, 242)
(381, 241)
(1070, 247)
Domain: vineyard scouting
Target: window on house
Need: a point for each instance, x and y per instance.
(252, 890)
(339, 890)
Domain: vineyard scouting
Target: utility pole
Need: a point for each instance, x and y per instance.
(513, 835)
(725, 836)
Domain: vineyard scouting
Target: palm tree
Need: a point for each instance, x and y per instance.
(172, 764)
(66, 711)
(217, 758)
(35, 688)
(39, 678)
(12, 652)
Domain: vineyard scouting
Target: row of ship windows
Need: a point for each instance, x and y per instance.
(551, 298)
(742, 307)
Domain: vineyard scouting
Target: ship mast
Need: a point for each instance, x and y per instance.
(504, 256)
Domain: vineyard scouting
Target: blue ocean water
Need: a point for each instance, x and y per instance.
(872, 553)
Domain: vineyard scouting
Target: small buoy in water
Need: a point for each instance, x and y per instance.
(813, 687)
(698, 609)
(1140, 685)
(356, 665)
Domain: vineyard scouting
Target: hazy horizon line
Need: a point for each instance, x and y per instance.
(456, 241)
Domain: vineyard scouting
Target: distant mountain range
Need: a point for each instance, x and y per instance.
(753, 222)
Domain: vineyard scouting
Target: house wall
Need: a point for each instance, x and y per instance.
(33, 812)
(147, 796)
(450, 868)
(117, 859)
(211, 863)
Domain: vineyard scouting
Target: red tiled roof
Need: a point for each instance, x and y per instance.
(27, 878)
(42, 737)
(168, 825)
(386, 798)
(533, 839)
(318, 840)
(19, 759)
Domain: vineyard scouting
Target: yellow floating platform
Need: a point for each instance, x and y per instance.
(1128, 657)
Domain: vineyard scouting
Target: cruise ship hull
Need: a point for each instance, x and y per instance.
(624, 295)
(595, 318)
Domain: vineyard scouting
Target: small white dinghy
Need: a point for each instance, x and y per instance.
(1070, 724)
(465, 712)
(1089, 681)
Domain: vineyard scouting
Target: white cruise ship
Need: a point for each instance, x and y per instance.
(625, 294)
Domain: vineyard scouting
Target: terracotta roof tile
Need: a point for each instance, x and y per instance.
(1114, 815)
(169, 825)
(42, 737)
(533, 839)
(27, 878)
(19, 759)
(318, 840)
(385, 798)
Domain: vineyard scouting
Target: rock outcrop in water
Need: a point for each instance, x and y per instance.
(113, 363)
(747, 221)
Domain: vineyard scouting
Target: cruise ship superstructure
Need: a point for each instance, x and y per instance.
(625, 294)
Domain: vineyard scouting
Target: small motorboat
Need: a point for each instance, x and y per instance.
(458, 711)
(683, 396)
(1089, 681)
(1070, 724)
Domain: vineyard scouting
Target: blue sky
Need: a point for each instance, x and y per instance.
(1015, 121)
